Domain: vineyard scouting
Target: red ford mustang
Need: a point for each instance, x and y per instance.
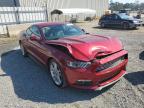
(74, 57)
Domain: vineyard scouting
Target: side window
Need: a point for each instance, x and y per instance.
(108, 17)
(28, 32)
(45, 31)
(118, 17)
(115, 17)
(112, 17)
(35, 30)
(104, 17)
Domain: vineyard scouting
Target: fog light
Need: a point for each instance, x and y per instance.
(84, 82)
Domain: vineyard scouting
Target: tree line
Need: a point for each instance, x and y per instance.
(116, 6)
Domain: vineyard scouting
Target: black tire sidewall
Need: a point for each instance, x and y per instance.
(102, 25)
(63, 81)
(125, 26)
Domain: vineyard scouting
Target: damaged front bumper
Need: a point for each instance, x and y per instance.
(98, 80)
(113, 81)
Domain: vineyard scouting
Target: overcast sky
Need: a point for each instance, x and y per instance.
(127, 1)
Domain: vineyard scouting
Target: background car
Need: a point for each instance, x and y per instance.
(119, 20)
(74, 57)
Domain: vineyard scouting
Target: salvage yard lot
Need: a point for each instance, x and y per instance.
(26, 84)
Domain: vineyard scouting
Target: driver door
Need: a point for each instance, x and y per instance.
(115, 20)
(35, 41)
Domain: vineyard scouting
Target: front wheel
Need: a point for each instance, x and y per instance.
(125, 26)
(134, 28)
(57, 74)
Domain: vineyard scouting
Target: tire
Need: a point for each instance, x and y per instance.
(23, 50)
(102, 25)
(57, 74)
(134, 28)
(125, 26)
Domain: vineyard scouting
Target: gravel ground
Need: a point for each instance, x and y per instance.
(7, 44)
(26, 84)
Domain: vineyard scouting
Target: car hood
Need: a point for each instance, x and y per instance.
(88, 47)
(134, 19)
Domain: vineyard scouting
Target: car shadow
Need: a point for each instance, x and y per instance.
(32, 82)
(141, 55)
(136, 78)
(112, 28)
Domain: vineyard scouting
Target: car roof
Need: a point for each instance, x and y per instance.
(115, 14)
(43, 24)
(110, 14)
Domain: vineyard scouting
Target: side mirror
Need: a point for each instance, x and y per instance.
(24, 34)
(35, 38)
(84, 31)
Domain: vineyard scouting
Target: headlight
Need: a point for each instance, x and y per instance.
(135, 21)
(78, 64)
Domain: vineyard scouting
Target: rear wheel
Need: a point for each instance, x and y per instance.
(23, 50)
(102, 25)
(134, 28)
(57, 74)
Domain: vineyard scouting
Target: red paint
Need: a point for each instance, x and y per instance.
(83, 48)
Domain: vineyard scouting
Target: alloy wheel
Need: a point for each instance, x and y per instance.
(102, 25)
(56, 73)
(125, 26)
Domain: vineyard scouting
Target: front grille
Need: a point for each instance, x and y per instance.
(111, 64)
(106, 79)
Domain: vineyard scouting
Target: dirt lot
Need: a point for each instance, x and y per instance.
(26, 84)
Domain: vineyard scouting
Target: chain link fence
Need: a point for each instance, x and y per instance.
(20, 15)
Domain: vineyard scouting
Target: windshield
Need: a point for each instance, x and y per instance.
(53, 32)
(124, 16)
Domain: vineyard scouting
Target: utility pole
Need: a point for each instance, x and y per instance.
(46, 11)
(16, 12)
(15, 3)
